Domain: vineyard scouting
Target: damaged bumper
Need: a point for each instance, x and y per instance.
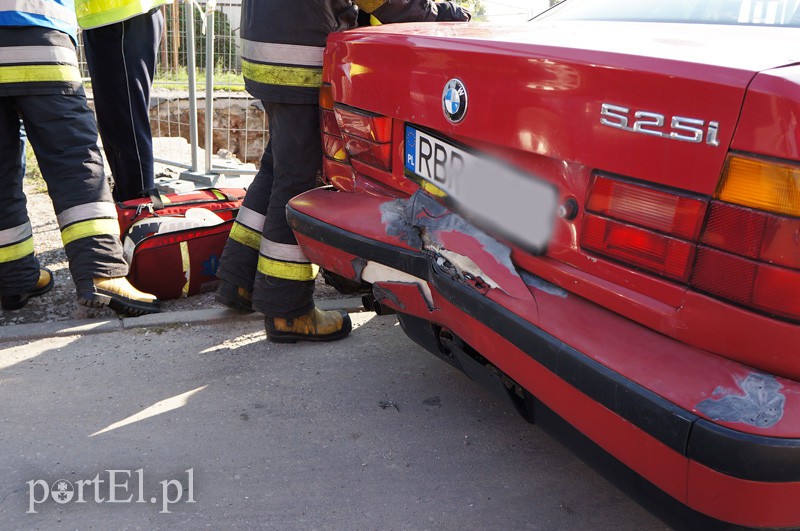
(718, 437)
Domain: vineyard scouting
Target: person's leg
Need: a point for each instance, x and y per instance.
(63, 134)
(122, 59)
(19, 269)
(239, 259)
(284, 283)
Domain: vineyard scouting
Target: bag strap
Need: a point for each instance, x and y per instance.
(155, 198)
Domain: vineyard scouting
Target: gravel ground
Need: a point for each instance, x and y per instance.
(61, 303)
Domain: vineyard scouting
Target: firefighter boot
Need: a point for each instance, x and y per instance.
(316, 325)
(43, 285)
(118, 294)
(234, 297)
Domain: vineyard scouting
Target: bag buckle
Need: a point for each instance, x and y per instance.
(148, 206)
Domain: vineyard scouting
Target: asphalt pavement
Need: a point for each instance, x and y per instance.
(186, 420)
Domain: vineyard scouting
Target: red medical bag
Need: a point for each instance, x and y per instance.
(184, 260)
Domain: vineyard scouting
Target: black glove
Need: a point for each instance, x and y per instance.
(448, 11)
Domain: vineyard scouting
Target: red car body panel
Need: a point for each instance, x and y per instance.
(638, 363)
(772, 112)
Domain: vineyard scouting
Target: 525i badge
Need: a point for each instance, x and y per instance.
(652, 123)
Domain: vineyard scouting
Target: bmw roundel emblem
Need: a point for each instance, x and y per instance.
(454, 100)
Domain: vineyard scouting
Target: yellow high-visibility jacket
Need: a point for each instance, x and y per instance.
(96, 13)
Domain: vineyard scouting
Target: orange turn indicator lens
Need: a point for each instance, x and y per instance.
(326, 96)
(764, 184)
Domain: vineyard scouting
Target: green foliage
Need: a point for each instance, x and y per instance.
(224, 42)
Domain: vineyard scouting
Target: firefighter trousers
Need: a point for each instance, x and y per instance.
(262, 254)
(122, 62)
(62, 131)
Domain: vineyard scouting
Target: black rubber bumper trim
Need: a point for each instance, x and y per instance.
(412, 262)
(737, 454)
(744, 455)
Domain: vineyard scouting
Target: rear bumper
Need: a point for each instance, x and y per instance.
(743, 477)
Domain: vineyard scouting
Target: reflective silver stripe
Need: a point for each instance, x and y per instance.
(251, 219)
(87, 211)
(285, 54)
(41, 7)
(38, 54)
(282, 251)
(15, 234)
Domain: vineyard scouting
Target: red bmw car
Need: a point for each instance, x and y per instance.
(596, 215)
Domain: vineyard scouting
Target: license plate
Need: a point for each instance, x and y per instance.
(491, 194)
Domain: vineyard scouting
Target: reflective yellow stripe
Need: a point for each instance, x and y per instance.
(373, 21)
(37, 73)
(16, 251)
(92, 227)
(95, 13)
(289, 76)
(369, 5)
(245, 236)
(218, 194)
(287, 270)
(187, 267)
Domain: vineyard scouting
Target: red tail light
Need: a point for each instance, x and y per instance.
(336, 169)
(333, 147)
(363, 124)
(770, 289)
(752, 237)
(660, 210)
(328, 122)
(368, 136)
(725, 275)
(378, 155)
(749, 256)
(669, 257)
(654, 227)
(753, 234)
(356, 139)
(327, 117)
(777, 291)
